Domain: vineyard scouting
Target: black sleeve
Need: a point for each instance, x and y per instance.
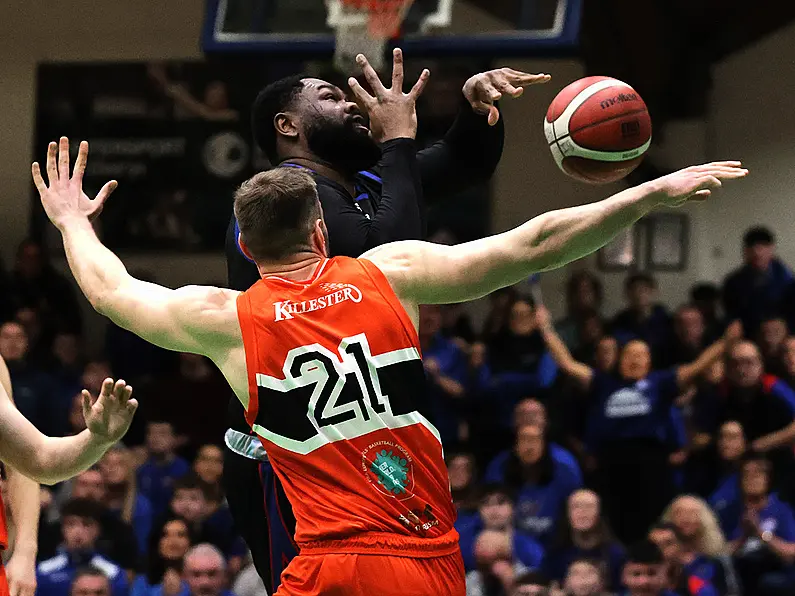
(241, 273)
(398, 216)
(468, 154)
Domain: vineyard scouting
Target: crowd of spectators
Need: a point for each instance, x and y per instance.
(648, 453)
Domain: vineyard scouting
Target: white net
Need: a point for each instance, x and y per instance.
(364, 27)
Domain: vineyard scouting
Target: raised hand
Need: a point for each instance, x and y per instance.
(109, 416)
(734, 332)
(64, 200)
(483, 89)
(392, 113)
(543, 318)
(697, 182)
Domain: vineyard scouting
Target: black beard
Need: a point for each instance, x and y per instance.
(343, 146)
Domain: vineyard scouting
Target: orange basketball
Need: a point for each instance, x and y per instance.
(598, 129)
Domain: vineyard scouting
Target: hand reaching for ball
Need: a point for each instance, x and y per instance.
(696, 182)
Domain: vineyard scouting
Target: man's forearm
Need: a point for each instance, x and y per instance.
(97, 270)
(23, 500)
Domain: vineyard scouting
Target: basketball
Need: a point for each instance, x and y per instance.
(598, 129)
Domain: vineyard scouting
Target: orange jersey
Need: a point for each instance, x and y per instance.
(3, 526)
(335, 376)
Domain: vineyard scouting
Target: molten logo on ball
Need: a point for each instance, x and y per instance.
(620, 98)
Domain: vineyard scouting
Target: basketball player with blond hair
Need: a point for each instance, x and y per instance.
(324, 356)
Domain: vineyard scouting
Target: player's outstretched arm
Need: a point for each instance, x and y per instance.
(424, 273)
(52, 459)
(196, 319)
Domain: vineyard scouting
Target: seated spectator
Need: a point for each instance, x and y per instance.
(629, 425)
(583, 301)
(540, 482)
(166, 551)
(66, 366)
(644, 572)
(726, 501)
(763, 405)
(756, 289)
(496, 513)
(116, 539)
(689, 337)
(495, 566)
(122, 496)
(706, 298)
(446, 370)
(532, 412)
(35, 282)
(763, 539)
(463, 484)
(690, 580)
(584, 578)
(209, 465)
(643, 319)
(90, 581)
(198, 505)
(162, 467)
(204, 572)
(80, 526)
(517, 362)
(584, 534)
(31, 386)
(772, 334)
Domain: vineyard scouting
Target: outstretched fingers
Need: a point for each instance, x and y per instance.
(419, 86)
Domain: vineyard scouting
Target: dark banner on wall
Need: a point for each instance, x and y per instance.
(177, 138)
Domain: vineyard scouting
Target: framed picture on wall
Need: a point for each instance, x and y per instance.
(667, 240)
(621, 254)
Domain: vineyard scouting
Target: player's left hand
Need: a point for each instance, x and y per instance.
(483, 89)
(109, 416)
(21, 572)
(64, 200)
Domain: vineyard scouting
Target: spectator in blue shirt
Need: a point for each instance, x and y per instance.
(496, 512)
(763, 539)
(80, 527)
(162, 467)
(517, 363)
(629, 423)
(532, 412)
(90, 581)
(725, 500)
(643, 319)
(168, 546)
(541, 482)
(584, 534)
(209, 465)
(756, 289)
(644, 572)
(122, 496)
(446, 369)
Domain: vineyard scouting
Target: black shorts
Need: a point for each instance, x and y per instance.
(262, 513)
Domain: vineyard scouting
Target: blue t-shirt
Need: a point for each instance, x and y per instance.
(141, 521)
(54, 576)
(539, 506)
(155, 482)
(558, 560)
(704, 577)
(775, 517)
(727, 503)
(622, 410)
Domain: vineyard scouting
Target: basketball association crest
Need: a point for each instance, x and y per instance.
(389, 469)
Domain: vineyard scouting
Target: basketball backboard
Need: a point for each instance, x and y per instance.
(493, 28)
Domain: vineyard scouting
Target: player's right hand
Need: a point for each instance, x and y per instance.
(108, 417)
(697, 182)
(392, 113)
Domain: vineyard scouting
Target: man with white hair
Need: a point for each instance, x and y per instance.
(204, 571)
